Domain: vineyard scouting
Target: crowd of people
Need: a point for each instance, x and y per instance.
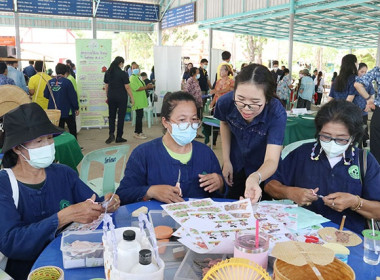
(251, 109)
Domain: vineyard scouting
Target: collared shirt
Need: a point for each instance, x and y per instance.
(17, 77)
(360, 101)
(308, 87)
(368, 78)
(349, 90)
(298, 169)
(29, 71)
(249, 140)
(203, 79)
(4, 80)
(283, 89)
(141, 101)
(38, 84)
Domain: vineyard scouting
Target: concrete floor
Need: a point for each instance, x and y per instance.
(94, 138)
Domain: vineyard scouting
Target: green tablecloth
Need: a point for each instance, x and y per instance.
(299, 128)
(67, 150)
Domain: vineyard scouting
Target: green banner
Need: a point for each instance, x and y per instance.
(93, 58)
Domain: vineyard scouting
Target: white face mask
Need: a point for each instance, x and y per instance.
(301, 75)
(205, 66)
(275, 69)
(332, 149)
(40, 157)
(198, 76)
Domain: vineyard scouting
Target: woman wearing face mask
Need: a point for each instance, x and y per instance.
(330, 167)
(252, 127)
(38, 198)
(141, 101)
(153, 168)
(192, 87)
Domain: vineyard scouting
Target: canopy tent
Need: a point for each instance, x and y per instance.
(339, 24)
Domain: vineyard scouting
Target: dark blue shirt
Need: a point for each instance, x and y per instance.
(349, 90)
(299, 170)
(64, 94)
(249, 140)
(360, 101)
(150, 164)
(29, 71)
(186, 76)
(27, 229)
(203, 78)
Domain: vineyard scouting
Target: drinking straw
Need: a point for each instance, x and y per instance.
(257, 235)
(373, 227)
(342, 222)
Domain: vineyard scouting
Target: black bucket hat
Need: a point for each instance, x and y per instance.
(26, 123)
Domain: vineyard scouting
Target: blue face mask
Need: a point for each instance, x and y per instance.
(198, 76)
(182, 135)
(135, 71)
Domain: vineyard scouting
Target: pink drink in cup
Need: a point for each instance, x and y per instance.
(245, 247)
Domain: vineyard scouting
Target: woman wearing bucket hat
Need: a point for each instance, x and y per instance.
(37, 198)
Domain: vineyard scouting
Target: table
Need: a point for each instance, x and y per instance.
(67, 150)
(297, 128)
(53, 256)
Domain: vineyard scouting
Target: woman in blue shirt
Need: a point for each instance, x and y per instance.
(331, 168)
(154, 168)
(252, 127)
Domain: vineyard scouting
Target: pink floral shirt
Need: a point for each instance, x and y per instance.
(192, 87)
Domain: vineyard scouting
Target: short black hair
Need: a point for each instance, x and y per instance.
(361, 65)
(344, 112)
(171, 100)
(31, 62)
(192, 71)
(260, 76)
(11, 62)
(226, 55)
(203, 60)
(3, 67)
(38, 65)
(275, 62)
(143, 74)
(61, 69)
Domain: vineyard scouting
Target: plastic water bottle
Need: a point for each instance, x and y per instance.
(145, 263)
(127, 251)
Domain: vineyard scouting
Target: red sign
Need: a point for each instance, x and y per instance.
(7, 41)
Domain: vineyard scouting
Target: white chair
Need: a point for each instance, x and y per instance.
(292, 146)
(150, 112)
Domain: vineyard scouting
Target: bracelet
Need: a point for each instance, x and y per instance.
(259, 176)
(369, 97)
(359, 205)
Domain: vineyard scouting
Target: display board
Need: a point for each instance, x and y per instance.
(6, 5)
(179, 16)
(127, 11)
(75, 8)
(93, 58)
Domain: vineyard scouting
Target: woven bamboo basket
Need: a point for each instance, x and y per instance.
(54, 115)
(337, 270)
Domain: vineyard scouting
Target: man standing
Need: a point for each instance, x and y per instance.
(361, 84)
(203, 80)
(276, 73)
(306, 90)
(315, 74)
(37, 85)
(65, 98)
(15, 74)
(226, 57)
(4, 80)
(29, 70)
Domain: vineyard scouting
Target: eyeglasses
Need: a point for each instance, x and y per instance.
(195, 124)
(338, 141)
(251, 107)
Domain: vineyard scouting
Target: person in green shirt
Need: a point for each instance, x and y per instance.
(141, 101)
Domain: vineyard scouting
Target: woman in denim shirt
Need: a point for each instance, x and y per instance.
(252, 127)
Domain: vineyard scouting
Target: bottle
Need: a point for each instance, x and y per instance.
(127, 251)
(145, 265)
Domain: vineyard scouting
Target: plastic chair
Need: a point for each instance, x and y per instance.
(108, 157)
(292, 146)
(150, 112)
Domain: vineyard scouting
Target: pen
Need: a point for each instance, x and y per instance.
(319, 195)
(178, 184)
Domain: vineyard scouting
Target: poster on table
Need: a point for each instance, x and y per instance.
(93, 57)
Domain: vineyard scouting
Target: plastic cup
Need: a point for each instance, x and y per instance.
(371, 247)
(245, 247)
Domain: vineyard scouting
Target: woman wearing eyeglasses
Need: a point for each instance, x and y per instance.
(252, 127)
(326, 175)
(155, 168)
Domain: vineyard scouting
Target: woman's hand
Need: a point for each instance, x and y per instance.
(132, 101)
(303, 196)
(211, 182)
(164, 193)
(340, 201)
(114, 204)
(228, 173)
(84, 212)
(252, 188)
